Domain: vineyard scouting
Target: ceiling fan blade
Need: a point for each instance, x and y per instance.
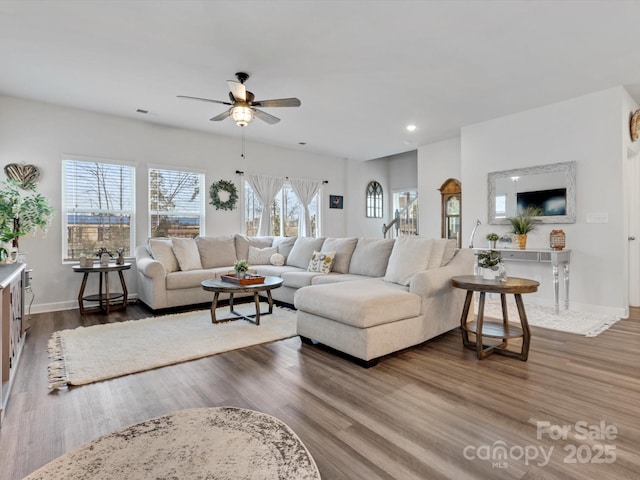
(238, 90)
(204, 99)
(279, 102)
(222, 116)
(264, 116)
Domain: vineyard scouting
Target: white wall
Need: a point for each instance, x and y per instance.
(359, 174)
(403, 171)
(437, 162)
(38, 133)
(588, 130)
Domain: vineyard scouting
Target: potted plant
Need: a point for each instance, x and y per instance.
(20, 212)
(523, 223)
(489, 261)
(241, 267)
(493, 238)
(104, 256)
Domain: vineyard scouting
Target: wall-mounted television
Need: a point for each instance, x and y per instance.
(551, 202)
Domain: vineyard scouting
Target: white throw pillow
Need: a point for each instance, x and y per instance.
(161, 249)
(186, 251)
(409, 256)
(344, 250)
(217, 251)
(277, 259)
(302, 251)
(260, 256)
(321, 262)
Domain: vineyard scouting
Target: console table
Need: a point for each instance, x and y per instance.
(557, 259)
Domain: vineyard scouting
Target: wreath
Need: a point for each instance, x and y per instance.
(225, 186)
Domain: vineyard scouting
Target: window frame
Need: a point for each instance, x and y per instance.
(66, 210)
(201, 184)
(374, 200)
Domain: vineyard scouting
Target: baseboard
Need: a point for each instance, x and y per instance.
(60, 306)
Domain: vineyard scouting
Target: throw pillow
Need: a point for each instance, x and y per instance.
(217, 251)
(260, 256)
(321, 262)
(371, 257)
(161, 249)
(409, 256)
(344, 250)
(277, 259)
(302, 250)
(284, 244)
(186, 252)
(242, 243)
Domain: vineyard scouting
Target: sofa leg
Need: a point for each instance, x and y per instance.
(306, 340)
(366, 363)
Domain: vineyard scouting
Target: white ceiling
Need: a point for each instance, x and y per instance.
(362, 69)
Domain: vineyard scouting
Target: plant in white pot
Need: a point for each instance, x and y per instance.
(489, 261)
(241, 267)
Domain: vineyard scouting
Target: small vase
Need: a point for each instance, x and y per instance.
(521, 241)
(240, 275)
(492, 244)
(489, 274)
(105, 259)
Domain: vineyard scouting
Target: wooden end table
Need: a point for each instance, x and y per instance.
(103, 299)
(504, 330)
(218, 287)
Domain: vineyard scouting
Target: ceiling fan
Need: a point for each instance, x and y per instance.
(243, 104)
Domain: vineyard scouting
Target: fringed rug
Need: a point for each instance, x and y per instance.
(581, 323)
(202, 443)
(91, 354)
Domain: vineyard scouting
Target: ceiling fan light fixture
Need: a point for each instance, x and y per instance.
(242, 115)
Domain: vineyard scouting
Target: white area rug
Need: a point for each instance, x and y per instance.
(587, 324)
(202, 443)
(90, 354)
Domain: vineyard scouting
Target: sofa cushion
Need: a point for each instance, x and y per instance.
(409, 256)
(302, 251)
(321, 262)
(242, 244)
(344, 248)
(192, 278)
(161, 249)
(298, 279)
(261, 256)
(449, 252)
(364, 304)
(186, 252)
(217, 251)
(275, 271)
(284, 245)
(371, 256)
(337, 277)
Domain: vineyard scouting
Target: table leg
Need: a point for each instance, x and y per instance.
(270, 300)
(231, 303)
(256, 299)
(566, 286)
(479, 322)
(526, 339)
(125, 293)
(214, 305)
(106, 288)
(81, 294)
(556, 288)
(463, 318)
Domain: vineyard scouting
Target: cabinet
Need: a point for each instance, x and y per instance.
(12, 327)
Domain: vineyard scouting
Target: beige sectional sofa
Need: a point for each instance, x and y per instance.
(379, 295)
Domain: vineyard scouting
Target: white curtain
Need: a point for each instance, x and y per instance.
(305, 189)
(266, 188)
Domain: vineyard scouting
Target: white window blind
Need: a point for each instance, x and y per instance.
(99, 207)
(176, 203)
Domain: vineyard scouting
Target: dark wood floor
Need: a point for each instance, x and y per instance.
(432, 412)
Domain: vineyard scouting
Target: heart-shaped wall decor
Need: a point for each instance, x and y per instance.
(25, 175)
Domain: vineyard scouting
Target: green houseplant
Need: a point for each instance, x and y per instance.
(241, 267)
(523, 223)
(22, 212)
(489, 261)
(493, 238)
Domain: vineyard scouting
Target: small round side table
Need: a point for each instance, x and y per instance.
(103, 299)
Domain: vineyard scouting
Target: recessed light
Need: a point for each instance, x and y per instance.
(411, 128)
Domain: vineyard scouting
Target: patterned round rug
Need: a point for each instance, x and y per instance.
(203, 443)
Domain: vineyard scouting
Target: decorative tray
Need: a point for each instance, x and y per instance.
(249, 279)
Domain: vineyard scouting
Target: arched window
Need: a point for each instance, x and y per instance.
(374, 200)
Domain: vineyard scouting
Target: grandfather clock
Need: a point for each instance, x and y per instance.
(451, 192)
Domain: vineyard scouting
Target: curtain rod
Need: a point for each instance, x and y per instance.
(240, 172)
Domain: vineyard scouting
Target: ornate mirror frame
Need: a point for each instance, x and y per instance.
(564, 172)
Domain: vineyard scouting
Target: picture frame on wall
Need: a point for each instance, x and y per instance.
(335, 201)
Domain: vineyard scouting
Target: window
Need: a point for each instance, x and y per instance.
(176, 205)
(98, 207)
(406, 205)
(286, 212)
(374, 200)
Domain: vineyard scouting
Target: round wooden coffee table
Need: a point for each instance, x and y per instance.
(504, 330)
(218, 287)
